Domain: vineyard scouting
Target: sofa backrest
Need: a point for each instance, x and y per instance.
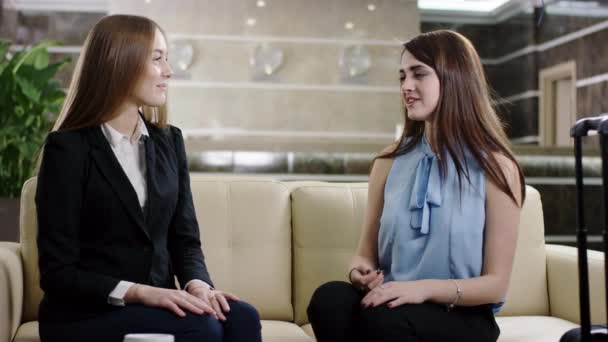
(28, 229)
(246, 236)
(327, 220)
(245, 233)
(528, 289)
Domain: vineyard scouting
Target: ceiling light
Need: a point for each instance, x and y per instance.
(349, 25)
(461, 5)
(261, 3)
(251, 21)
(371, 7)
(577, 4)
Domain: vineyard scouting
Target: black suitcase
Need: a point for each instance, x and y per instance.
(582, 128)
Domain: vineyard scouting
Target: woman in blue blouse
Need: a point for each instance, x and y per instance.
(439, 236)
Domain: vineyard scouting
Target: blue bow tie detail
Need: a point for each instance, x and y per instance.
(426, 192)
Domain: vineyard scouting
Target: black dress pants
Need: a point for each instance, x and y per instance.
(336, 315)
(242, 325)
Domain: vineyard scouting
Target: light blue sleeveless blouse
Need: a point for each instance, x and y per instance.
(429, 228)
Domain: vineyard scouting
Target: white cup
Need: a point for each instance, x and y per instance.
(149, 338)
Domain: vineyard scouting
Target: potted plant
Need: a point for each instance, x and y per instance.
(29, 101)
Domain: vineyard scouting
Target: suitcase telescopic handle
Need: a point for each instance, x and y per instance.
(581, 129)
(583, 126)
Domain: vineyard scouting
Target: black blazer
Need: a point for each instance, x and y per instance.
(92, 232)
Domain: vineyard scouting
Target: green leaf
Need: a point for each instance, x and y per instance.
(4, 47)
(29, 89)
(41, 59)
(29, 56)
(51, 70)
(29, 120)
(28, 96)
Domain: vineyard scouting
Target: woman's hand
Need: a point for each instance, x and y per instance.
(173, 300)
(396, 293)
(365, 278)
(218, 300)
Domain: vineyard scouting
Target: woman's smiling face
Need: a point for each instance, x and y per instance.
(420, 88)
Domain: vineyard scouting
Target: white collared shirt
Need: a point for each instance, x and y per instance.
(131, 154)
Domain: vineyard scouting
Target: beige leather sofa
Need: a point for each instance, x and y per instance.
(273, 243)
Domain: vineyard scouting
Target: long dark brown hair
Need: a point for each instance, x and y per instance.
(113, 58)
(464, 119)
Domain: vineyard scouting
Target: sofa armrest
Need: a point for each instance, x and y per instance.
(11, 290)
(562, 279)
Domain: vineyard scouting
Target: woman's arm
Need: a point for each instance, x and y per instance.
(184, 241)
(365, 260)
(59, 198)
(502, 222)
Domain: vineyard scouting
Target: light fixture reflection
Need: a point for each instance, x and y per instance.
(461, 5)
(355, 60)
(217, 158)
(253, 158)
(265, 60)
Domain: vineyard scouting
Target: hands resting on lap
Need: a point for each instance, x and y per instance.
(378, 292)
(199, 299)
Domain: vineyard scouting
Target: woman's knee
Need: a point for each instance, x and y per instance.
(205, 328)
(373, 318)
(383, 323)
(332, 296)
(329, 293)
(242, 322)
(243, 312)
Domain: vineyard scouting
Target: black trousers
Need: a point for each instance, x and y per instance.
(242, 325)
(336, 315)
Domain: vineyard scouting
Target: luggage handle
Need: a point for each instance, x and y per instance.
(590, 126)
(582, 128)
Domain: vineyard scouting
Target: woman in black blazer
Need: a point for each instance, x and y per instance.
(115, 213)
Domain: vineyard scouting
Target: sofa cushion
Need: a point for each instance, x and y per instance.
(528, 293)
(562, 276)
(327, 220)
(27, 332)
(272, 331)
(276, 331)
(532, 328)
(246, 237)
(308, 330)
(28, 226)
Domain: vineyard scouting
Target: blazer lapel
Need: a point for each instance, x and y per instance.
(110, 167)
(150, 176)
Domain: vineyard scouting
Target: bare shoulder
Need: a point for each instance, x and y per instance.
(510, 169)
(382, 166)
(389, 148)
(383, 162)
